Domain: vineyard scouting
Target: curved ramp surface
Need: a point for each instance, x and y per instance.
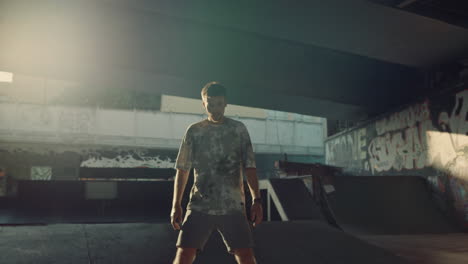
(385, 205)
(293, 197)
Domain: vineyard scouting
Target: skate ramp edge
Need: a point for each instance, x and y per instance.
(382, 205)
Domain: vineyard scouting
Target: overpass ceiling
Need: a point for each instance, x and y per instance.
(451, 11)
(336, 59)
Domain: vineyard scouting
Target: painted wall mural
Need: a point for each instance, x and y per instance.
(429, 139)
(27, 161)
(41, 173)
(134, 158)
(429, 135)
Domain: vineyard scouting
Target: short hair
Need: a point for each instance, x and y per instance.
(213, 89)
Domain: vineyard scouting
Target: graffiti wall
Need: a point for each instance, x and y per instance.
(26, 161)
(130, 158)
(429, 139)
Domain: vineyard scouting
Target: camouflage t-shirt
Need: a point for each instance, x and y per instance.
(219, 153)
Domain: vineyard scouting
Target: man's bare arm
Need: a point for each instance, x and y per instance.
(180, 182)
(256, 211)
(252, 181)
(179, 187)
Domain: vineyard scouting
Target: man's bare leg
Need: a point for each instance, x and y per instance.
(244, 256)
(185, 255)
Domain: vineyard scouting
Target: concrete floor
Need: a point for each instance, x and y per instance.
(277, 242)
(426, 249)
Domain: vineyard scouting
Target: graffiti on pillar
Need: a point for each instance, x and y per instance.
(459, 195)
(41, 173)
(438, 183)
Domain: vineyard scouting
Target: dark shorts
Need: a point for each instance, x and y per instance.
(197, 227)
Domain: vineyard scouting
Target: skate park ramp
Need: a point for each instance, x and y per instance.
(389, 205)
(276, 242)
(293, 200)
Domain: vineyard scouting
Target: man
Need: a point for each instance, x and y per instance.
(220, 151)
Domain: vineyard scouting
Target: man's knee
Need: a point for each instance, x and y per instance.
(185, 255)
(244, 255)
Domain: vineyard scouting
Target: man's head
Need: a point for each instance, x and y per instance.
(214, 101)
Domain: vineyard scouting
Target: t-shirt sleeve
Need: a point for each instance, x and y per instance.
(185, 157)
(248, 155)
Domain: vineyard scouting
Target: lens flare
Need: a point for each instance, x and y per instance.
(6, 77)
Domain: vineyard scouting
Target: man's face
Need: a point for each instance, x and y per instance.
(215, 106)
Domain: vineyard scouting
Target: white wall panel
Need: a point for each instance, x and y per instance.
(80, 125)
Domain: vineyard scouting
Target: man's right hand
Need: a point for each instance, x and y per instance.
(176, 217)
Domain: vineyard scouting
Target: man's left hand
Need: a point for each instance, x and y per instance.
(256, 213)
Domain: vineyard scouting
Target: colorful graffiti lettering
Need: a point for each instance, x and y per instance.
(459, 189)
